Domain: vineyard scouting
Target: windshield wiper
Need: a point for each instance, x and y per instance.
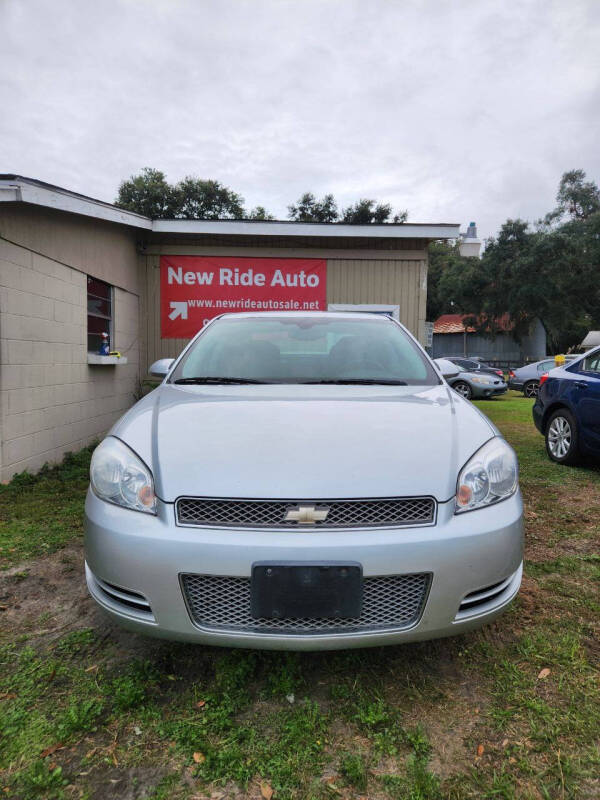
(340, 381)
(365, 381)
(215, 379)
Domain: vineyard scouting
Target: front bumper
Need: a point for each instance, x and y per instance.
(486, 390)
(140, 559)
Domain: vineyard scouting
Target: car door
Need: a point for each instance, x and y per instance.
(585, 399)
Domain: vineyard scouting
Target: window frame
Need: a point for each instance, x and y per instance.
(110, 320)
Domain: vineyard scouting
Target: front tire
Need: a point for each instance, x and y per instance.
(562, 439)
(531, 389)
(463, 389)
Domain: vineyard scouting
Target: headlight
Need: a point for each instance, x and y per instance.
(489, 476)
(119, 476)
(477, 379)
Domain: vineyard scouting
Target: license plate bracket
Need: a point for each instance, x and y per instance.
(317, 589)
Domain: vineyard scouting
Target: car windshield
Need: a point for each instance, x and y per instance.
(305, 350)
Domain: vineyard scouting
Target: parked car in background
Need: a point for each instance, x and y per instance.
(526, 379)
(447, 368)
(567, 409)
(475, 365)
(472, 385)
(303, 481)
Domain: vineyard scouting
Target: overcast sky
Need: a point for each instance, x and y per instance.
(456, 111)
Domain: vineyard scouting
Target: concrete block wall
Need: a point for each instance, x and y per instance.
(51, 400)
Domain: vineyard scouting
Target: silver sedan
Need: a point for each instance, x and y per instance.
(303, 481)
(478, 386)
(527, 377)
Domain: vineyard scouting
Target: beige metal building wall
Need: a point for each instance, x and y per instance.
(393, 274)
(382, 281)
(51, 400)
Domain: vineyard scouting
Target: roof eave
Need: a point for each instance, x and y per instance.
(233, 227)
(16, 188)
(34, 193)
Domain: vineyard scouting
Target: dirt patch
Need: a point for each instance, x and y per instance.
(454, 722)
(117, 783)
(452, 730)
(561, 521)
(530, 599)
(47, 598)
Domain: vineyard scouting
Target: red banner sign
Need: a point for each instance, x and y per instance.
(194, 289)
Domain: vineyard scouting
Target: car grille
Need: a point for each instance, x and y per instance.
(390, 602)
(385, 512)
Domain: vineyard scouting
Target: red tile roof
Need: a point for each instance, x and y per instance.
(454, 323)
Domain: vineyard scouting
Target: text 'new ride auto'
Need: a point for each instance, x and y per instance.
(303, 481)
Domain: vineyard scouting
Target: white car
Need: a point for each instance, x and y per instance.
(303, 481)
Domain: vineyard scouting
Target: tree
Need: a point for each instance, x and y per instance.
(499, 282)
(365, 212)
(309, 209)
(549, 274)
(446, 265)
(207, 199)
(149, 194)
(576, 198)
(259, 213)
(515, 275)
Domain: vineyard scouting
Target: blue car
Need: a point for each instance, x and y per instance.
(567, 409)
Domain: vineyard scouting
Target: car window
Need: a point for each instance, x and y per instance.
(591, 363)
(465, 363)
(544, 366)
(299, 349)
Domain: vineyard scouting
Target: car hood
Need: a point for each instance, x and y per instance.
(304, 441)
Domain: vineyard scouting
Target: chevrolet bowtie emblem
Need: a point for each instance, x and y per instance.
(306, 514)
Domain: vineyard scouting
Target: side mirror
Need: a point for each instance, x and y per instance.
(447, 368)
(161, 367)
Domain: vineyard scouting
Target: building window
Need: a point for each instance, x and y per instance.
(100, 313)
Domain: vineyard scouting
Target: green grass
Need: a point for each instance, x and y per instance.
(511, 711)
(41, 513)
(354, 769)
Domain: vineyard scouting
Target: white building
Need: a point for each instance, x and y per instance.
(470, 244)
